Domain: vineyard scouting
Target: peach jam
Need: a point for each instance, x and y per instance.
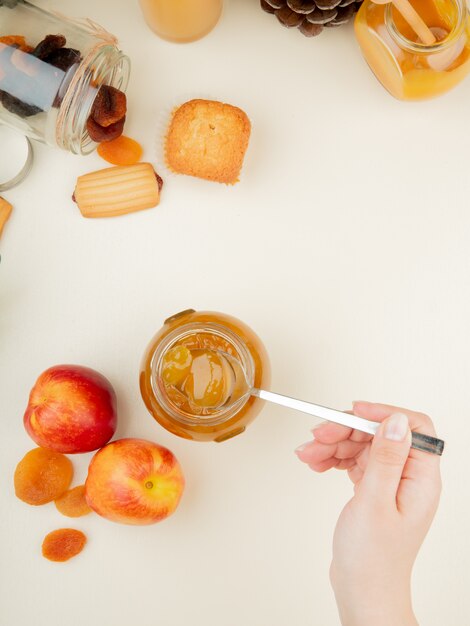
(407, 68)
(197, 374)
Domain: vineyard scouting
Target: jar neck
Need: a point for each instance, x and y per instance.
(104, 64)
(458, 26)
(240, 352)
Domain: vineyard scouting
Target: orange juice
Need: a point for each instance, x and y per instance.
(181, 20)
(197, 373)
(409, 69)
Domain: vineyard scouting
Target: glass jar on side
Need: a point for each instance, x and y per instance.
(51, 70)
(181, 21)
(408, 69)
(197, 374)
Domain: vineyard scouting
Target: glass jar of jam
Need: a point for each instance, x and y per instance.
(197, 374)
(406, 67)
(181, 21)
(51, 69)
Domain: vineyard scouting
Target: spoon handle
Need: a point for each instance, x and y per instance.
(416, 22)
(418, 440)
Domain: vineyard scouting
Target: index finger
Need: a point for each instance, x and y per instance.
(329, 432)
(375, 412)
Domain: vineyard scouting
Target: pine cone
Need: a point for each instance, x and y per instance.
(311, 16)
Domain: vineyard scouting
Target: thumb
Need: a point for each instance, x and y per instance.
(388, 454)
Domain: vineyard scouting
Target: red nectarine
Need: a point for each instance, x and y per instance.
(71, 409)
(134, 481)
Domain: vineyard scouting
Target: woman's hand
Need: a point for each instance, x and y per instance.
(381, 529)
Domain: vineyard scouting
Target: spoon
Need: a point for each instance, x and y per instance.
(413, 18)
(426, 443)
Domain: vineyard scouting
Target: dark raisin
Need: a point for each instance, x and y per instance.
(109, 107)
(104, 133)
(48, 45)
(159, 181)
(63, 58)
(16, 106)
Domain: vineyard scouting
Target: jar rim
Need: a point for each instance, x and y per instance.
(168, 341)
(418, 47)
(104, 64)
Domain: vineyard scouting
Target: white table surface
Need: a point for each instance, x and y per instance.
(345, 246)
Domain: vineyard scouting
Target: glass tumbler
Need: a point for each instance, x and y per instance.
(181, 21)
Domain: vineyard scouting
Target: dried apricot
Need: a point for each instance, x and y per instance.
(73, 503)
(14, 40)
(63, 544)
(5, 212)
(121, 151)
(104, 133)
(109, 107)
(42, 476)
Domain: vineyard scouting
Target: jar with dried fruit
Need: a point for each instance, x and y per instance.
(197, 374)
(62, 81)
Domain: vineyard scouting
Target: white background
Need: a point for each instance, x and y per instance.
(346, 246)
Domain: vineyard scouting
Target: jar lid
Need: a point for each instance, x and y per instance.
(19, 151)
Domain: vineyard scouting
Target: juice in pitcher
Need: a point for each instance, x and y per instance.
(181, 20)
(409, 69)
(197, 374)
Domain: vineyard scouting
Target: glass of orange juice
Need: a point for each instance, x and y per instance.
(407, 68)
(197, 372)
(181, 21)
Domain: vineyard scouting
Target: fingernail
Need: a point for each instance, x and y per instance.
(396, 427)
(301, 448)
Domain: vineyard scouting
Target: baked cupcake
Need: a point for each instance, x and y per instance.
(208, 139)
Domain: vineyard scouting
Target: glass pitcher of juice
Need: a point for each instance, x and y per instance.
(406, 67)
(181, 20)
(197, 374)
